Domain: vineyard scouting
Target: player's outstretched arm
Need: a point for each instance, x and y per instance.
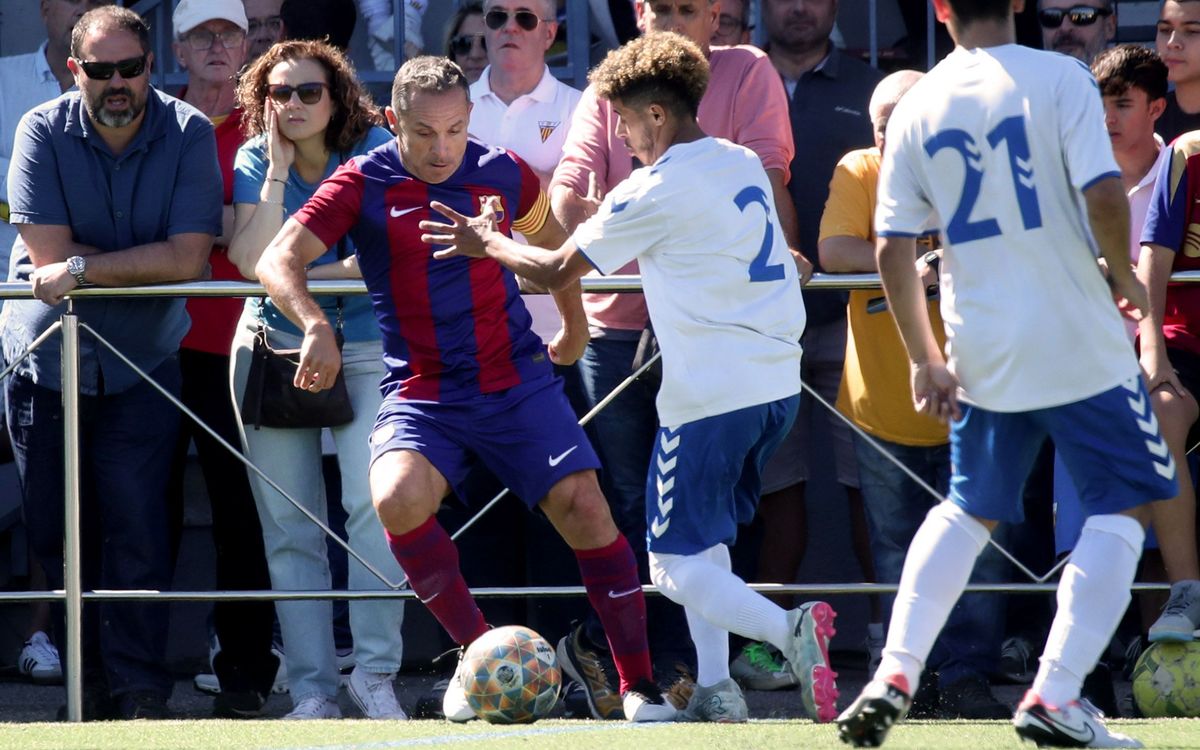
(935, 389)
(1154, 270)
(281, 269)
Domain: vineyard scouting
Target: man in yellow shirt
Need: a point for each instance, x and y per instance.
(875, 395)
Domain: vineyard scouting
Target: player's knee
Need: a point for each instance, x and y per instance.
(1129, 527)
(668, 573)
(1176, 413)
(402, 499)
(578, 508)
(978, 529)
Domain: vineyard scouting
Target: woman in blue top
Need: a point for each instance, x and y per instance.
(305, 113)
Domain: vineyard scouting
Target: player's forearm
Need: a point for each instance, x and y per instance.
(569, 301)
(906, 298)
(281, 269)
(847, 255)
(1108, 215)
(1154, 271)
(544, 268)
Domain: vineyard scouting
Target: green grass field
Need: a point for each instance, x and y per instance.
(575, 735)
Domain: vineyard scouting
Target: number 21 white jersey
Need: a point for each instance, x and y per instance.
(720, 284)
(993, 147)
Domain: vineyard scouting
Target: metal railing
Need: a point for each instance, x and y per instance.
(73, 595)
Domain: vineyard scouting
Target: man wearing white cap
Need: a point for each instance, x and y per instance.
(211, 45)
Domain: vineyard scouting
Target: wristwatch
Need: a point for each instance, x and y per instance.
(77, 267)
(930, 258)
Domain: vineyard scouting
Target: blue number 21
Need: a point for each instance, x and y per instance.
(1011, 131)
(759, 270)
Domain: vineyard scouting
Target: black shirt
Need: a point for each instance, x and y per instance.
(1174, 121)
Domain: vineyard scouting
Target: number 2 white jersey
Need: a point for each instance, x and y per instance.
(720, 284)
(993, 147)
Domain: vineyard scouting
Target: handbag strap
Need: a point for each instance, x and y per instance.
(342, 255)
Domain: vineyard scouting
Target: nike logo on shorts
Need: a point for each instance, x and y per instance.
(556, 460)
(397, 214)
(620, 594)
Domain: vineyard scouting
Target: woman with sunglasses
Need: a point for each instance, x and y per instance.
(306, 113)
(464, 40)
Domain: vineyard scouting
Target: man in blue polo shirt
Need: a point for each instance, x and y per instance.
(114, 184)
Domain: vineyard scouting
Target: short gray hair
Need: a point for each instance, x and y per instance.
(429, 74)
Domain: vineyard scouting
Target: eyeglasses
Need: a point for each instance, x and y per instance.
(202, 39)
(498, 19)
(309, 93)
(272, 24)
(1080, 15)
(102, 71)
(464, 43)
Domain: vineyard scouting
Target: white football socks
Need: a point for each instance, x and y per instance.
(937, 568)
(1093, 595)
(716, 603)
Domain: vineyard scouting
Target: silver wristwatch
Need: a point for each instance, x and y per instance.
(77, 267)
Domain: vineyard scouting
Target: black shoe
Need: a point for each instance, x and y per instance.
(97, 706)
(587, 667)
(1098, 688)
(971, 698)
(142, 704)
(869, 718)
(239, 704)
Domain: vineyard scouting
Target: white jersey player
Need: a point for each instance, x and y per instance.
(1004, 149)
(724, 297)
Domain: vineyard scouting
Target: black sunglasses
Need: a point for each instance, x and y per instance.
(463, 43)
(1080, 15)
(102, 71)
(526, 19)
(309, 93)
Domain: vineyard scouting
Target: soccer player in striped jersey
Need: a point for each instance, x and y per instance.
(468, 382)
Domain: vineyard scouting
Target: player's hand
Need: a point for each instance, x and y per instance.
(51, 282)
(1159, 373)
(320, 359)
(928, 272)
(464, 235)
(568, 346)
(935, 391)
(281, 152)
(804, 266)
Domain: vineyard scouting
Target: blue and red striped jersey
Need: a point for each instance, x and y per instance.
(454, 328)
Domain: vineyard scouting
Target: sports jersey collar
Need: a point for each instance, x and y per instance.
(543, 92)
(1147, 180)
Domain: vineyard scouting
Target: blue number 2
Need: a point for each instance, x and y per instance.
(759, 270)
(1011, 131)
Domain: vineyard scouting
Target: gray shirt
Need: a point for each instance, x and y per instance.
(166, 182)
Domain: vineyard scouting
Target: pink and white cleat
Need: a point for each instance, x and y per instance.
(807, 652)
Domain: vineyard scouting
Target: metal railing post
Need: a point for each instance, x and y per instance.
(72, 580)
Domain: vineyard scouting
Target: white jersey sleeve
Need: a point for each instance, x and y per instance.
(1081, 127)
(629, 223)
(903, 208)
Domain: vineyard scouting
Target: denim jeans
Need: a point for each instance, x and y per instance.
(969, 644)
(296, 552)
(126, 442)
(623, 435)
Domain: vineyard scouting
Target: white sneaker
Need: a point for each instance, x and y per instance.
(375, 695)
(722, 703)
(39, 660)
(315, 707)
(645, 702)
(454, 701)
(1181, 615)
(807, 653)
(1073, 725)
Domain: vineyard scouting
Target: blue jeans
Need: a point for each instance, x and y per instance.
(295, 546)
(969, 644)
(623, 434)
(126, 444)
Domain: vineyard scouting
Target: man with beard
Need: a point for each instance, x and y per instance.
(114, 185)
(1079, 28)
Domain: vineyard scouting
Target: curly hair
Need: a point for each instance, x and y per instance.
(662, 68)
(354, 113)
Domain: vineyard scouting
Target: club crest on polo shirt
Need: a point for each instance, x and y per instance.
(546, 128)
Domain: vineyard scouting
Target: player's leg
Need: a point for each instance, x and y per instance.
(1174, 520)
(991, 454)
(1118, 460)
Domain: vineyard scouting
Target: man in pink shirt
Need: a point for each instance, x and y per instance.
(745, 103)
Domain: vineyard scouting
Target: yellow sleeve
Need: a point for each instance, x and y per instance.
(851, 203)
(533, 221)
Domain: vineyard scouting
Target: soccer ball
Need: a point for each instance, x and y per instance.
(511, 676)
(1166, 680)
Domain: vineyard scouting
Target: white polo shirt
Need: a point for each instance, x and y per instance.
(534, 127)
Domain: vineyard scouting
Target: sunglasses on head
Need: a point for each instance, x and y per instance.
(102, 71)
(497, 19)
(463, 43)
(1080, 15)
(309, 93)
